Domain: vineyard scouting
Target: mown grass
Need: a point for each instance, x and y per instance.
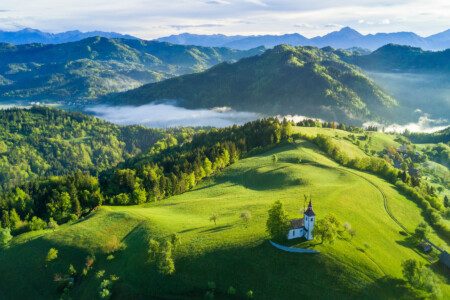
(232, 253)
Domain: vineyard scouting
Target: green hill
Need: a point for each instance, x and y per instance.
(43, 141)
(397, 58)
(283, 80)
(233, 253)
(97, 66)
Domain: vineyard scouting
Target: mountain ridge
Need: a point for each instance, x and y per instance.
(346, 37)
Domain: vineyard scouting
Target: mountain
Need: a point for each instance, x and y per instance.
(396, 58)
(96, 66)
(282, 80)
(29, 35)
(344, 38)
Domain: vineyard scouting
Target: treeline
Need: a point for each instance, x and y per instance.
(169, 168)
(442, 136)
(178, 169)
(420, 192)
(333, 125)
(42, 141)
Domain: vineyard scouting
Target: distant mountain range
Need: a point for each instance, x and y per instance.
(97, 66)
(29, 35)
(283, 80)
(344, 38)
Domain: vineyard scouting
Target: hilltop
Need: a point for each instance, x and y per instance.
(397, 58)
(83, 70)
(283, 80)
(214, 257)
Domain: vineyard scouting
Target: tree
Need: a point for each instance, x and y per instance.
(420, 277)
(52, 254)
(14, 218)
(328, 228)
(213, 218)
(422, 232)
(274, 158)
(52, 224)
(245, 217)
(175, 240)
(5, 236)
(277, 224)
(153, 249)
(36, 224)
(446, 201)
(166, 264)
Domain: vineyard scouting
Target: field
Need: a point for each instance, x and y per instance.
(232, 253)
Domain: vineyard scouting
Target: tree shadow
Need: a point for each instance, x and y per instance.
(217, 229)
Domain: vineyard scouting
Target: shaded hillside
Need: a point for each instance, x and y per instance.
(283, 80)
(97, 66)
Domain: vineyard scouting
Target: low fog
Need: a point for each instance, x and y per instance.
(165, 115)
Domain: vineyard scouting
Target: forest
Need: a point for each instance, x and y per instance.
(168, 168)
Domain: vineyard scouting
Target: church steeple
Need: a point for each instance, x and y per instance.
(310, 212)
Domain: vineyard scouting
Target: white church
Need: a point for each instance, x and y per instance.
(303, 227)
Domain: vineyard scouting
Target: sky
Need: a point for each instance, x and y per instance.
(154, 18)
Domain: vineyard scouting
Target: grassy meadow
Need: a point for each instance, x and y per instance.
(231, 252)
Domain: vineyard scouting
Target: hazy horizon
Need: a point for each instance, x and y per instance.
(149, 19)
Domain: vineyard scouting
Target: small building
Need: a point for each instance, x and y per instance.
(303, 227)
(444, 259)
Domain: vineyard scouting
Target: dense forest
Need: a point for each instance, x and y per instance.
(168, 168)
(43, 141)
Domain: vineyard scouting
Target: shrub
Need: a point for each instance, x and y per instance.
(5, 236)
(231, 291)
(249, 294)
(52, 254)
(36, 224)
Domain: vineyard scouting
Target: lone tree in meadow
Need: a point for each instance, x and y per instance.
(52, 254)
(274, 158)
(213, 218)
(245, 217)
(277, 223)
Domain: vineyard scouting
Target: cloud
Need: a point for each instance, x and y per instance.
(424, 124)
(165, 115)
(152, 18)
(180, 27)
(217, 2)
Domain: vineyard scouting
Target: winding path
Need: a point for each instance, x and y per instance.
(385, 199)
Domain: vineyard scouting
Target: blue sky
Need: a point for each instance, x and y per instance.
(153, 18)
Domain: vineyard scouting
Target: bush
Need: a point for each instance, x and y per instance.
(5, 236)
(36, 224)
(52, 254)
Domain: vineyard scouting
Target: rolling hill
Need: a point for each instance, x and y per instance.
(284, 80)
(213, 257)
(397, 58)
(86, 69)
